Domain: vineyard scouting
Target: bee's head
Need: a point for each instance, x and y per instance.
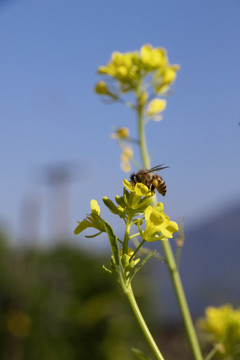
(133, 178)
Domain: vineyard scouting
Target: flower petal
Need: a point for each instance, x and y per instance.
(95, 207)
(128, 185)
(142, 190)
(156, 106)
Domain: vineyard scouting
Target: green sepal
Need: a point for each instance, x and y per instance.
(135, 201)
(130, 202)
(119, 201)
(131, 264)
(126, 198)
(125, 260)
(128, 270)
(82, 225)
(111, 206)
(98, 222)
(143, 204)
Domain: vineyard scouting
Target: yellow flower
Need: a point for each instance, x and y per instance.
(130, 252)
(169, 75)
(153, 58)
(95, 207)
(122, 67)
(128, 256)
(158, 222)
(121, 133)
(223, 324)
(101, 88)
(164, 78)
(126, 155)
(129, 69)
(138, 198)
(92, 220)
(139, 189)
(125, 166)
(217, 320)
(156, 106)
(128, 185)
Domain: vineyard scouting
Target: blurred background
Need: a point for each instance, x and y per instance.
(56, 155)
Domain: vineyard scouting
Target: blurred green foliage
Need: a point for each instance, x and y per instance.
(58, 304)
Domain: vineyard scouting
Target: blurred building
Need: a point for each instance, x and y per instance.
(47, 216)
(30, 218)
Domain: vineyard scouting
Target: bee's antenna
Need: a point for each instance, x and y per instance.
(158, 167)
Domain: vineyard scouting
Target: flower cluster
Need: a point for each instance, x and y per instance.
(143, 72)
(135, 208)
(157, 222)
(135, 201)
(128, 69)
(92, 220)
(223, 327)
(147, 75)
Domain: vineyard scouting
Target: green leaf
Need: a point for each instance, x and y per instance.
(113, 242)
(140, 355)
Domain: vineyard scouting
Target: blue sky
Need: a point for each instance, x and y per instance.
(49, 53)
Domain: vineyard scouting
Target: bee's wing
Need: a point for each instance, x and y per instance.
(156, 168)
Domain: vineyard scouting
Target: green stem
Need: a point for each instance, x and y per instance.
(172, 267)
(142, 324)
(139, 247)
(211, 354)
(134, 235)
(126, 235)
(142, 139)
(182, 302)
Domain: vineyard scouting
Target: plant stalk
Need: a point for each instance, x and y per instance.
(142, 324)
(142, 139)
(182, 302)
(127, 289)
(172, 267)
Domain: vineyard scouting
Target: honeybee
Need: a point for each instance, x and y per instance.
(152, 181)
